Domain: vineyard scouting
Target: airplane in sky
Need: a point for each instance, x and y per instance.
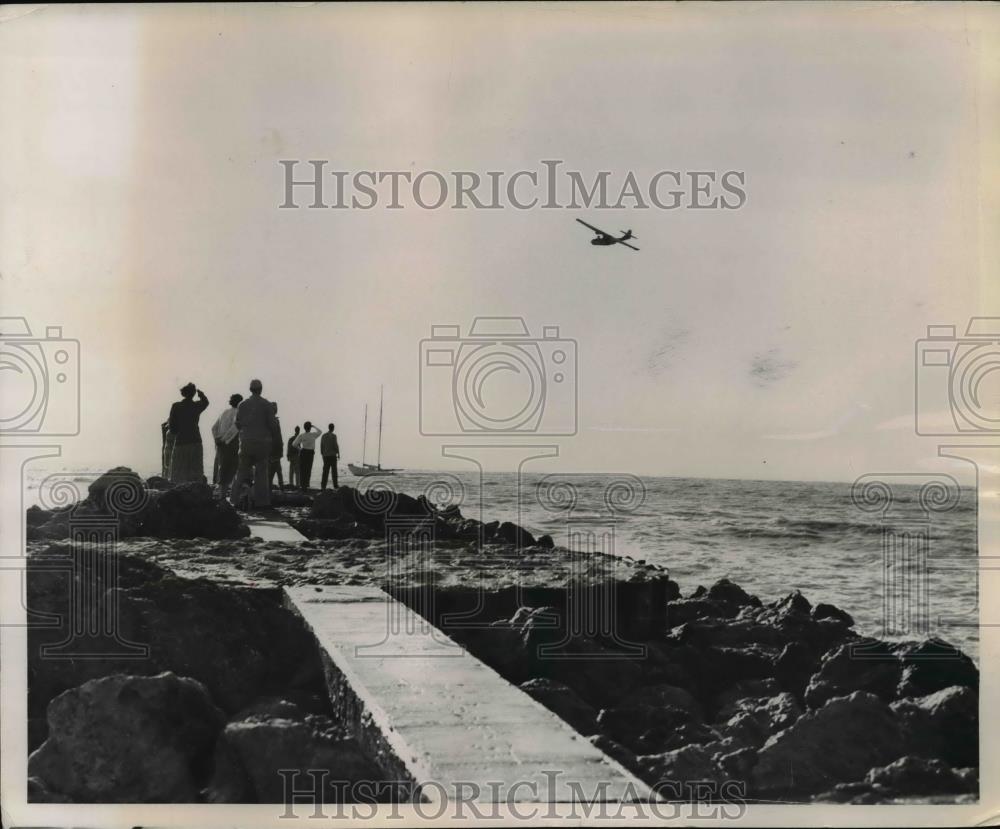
(603, 238)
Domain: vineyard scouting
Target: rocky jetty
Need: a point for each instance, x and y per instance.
(138, 508)
(784, 698)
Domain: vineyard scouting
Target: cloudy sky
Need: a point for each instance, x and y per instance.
(141, 185)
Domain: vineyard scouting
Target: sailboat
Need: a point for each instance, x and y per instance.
(365, 469)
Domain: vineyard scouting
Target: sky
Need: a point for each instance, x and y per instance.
(141, 186)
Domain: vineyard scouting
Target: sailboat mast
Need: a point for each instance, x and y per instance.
(380, 391)
(364, 440)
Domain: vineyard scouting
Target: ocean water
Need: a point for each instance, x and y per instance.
(771, 537)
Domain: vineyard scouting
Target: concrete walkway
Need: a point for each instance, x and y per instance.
(436, 716)
(270, 526)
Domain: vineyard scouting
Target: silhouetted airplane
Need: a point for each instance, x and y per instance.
(603, 238)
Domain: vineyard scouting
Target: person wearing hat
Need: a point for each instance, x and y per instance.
(227, 444)
(186, 457)
(255, 421)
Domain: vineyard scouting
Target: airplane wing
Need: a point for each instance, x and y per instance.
(620, 242)
(595, 229)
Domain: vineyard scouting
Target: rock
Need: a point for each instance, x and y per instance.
(737, 765)
(564, 702)
(860, 793)
(837, 743)
(726, 591)
(657, 741)
(129, 739)
(637, 726)
(933, 665)
(728, 633)
(598, 674)
(238, 642)
(158, 482)
(663, 695)
(866, 665)
(719, 667)
(793, 603)
(794, 667)
(191, 510)
(680, 611)
(831, 612)
(682, 767)
(757, 719)
(35, 516)
(290, 498)
(909, 776)
(513, 534)
(662, 666)
(725, 704)
(132, 486)
(546, 542)
(890, 670)
(333, 504)
(942, 725)
(490, 530)
(251, 752)
(38, 792)
(616, 751)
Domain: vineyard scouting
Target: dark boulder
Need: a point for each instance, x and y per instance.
(680, 611)
(794, 667)
(129, 739)
(546, 542)
(261, 754)
(932, 665)
(191, 510)
(756, 720)
(158, 482)
(115, 486)
(635, 726)
(726, 703)
(942, 725)
(664, 695)
(564, 702)
(616, 751)
(678, 770)
(35, 516)
(831, 612)
(837, 743)
(726, 591)
(510, 533)
(866, 665)
(909, 776)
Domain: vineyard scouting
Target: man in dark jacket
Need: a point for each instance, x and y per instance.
(330, 450)
(255, 421)
(293, 459)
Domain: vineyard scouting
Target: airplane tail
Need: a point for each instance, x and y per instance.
(628, 234)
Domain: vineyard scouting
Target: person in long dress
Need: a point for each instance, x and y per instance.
(187, 456)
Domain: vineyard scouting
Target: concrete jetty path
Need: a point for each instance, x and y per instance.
(436, 716)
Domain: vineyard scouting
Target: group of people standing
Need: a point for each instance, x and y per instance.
(248, 446)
